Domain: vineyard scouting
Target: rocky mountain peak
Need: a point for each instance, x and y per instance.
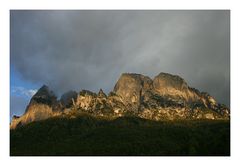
(164, 81)
(40, 107)
(44, 95)
(131, 86)
(101, 94)
(165, 97)
(44, 90)
(175, 87)
(87, 93)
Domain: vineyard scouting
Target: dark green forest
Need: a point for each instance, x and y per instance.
(125, 136)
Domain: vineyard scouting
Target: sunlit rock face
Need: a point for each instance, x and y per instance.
(99, 104)
(85, 100)
(175, 87)
(166, 97)
(164, 83)
(40, 108)
(131, 87)
(36, 112)
(117, 104)
(14, 122)
(101, 94)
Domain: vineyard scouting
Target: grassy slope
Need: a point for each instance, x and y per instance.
(123, 136)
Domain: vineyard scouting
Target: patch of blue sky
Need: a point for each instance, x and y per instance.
(20, 87)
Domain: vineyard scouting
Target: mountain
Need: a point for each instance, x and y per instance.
(166, 97)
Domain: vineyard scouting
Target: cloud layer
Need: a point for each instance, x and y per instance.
(90, 49)
(23, 91)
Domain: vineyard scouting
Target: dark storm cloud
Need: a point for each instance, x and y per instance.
(90, 49)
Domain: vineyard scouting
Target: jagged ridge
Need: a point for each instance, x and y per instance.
(166, 97)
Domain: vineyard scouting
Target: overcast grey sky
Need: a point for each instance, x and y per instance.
(90, 49)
